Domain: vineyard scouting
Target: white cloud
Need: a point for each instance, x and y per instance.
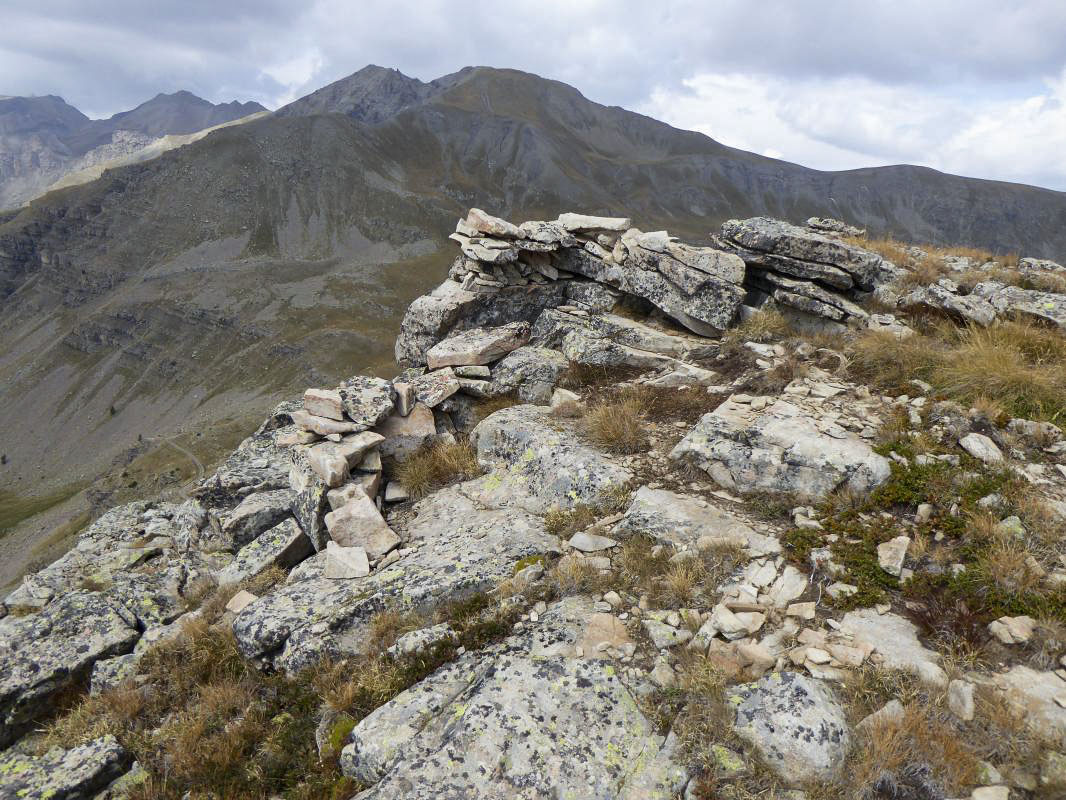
(850, 122)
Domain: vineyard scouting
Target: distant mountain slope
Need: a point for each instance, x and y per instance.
(43, 138)
(168, 297)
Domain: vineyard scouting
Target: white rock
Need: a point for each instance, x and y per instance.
(483, 222)
(396, 492)
(590, 542)
(896, 639)
(892, 554)
(991, 793)
(1012, 630)
(478, 346)
(359, 524)
(789, 586)
(345, 563)
(960, 699)
(890, 712)
(240, 601)
(981, 447)
(582, 222)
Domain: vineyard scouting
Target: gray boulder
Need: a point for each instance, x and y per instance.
(254, 515)
(537, 463)
(531, 372)
(795, 723)
(1027, 303)
(450, 309)
(478, 345)
(258, 464)
(74, 774)
(765, 235)
(367, 401)
(943, 297)
(780, 449)
(45, 653)
(284, 545)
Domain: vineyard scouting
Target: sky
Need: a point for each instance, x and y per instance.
(977, 88)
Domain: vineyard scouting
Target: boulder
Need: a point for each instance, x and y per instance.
(258, 464)
(583, 223)
(450, 309)
(538, 465)
(345, 563)
(482, 222)
(779, 449)
(45, 653)
(310, 499)
(1036, 698)
(531, 372)
(367, 401)
(358, 523)
(1011, 301)
(435, 387)
(490, 708)
(284, 545)
(891, 554)
(478, 346)
(981, 447)
(74, 774)
(683, 521)
(943, 296)
(795, 723)
(766, 235)
(255, 514)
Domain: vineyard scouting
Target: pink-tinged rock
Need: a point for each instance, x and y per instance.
(323, 426)
(478, 346)
(328, 464)
(345, 563)
(359, 524)
(405, 397)
(324, 403)
(482, 222)
(404, 435)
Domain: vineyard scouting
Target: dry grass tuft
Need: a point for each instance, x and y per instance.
(616, 424)
(1011, 367)
(572, 575)
(581, 376)
(437, 465)
(765, 325)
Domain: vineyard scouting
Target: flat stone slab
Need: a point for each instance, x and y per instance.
(367, 401)
(779, 449)
(796, 724)
(478, 346)
(1036, 698)
(682, 521)
(60, 774)
(44, 653)
(540, 464)
(896, 639)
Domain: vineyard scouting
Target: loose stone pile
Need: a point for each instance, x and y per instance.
(307, 493)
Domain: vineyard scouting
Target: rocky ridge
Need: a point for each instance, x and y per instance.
(314, 492)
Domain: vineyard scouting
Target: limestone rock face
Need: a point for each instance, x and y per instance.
(74, 774)
(44, 653)
(796, 724)
(478, 346)
(779, 449)
(539, 465)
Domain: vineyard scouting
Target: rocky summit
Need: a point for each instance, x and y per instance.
(782, 515)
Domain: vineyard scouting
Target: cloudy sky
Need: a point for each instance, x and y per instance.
(976, 87)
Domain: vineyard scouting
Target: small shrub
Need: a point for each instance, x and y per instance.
(437, 465)
(765, 325)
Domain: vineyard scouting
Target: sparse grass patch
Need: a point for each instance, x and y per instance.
(437, 465)
(673, 404)
(1015, 368)
(583, 376)
(490, 405)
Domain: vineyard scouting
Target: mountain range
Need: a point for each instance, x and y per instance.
(149, 314)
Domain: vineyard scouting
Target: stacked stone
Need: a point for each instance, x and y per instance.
(700, 287)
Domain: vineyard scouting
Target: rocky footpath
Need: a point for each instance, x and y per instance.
(638, 567)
